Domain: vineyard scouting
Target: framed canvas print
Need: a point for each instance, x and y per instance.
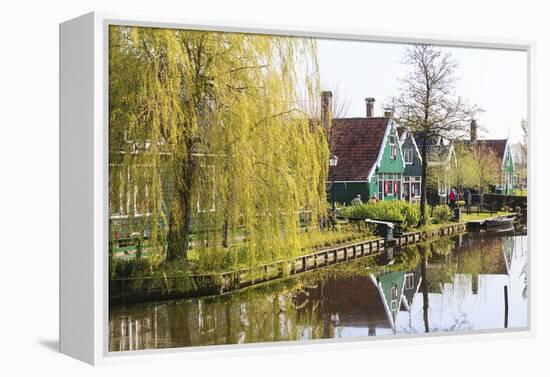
(225, 187)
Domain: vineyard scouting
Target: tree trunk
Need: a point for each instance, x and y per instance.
(180, 216)
(425, 298)
(225, 234)
(423, 191)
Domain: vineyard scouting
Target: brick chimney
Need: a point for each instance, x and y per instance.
(370, 106)
(326, 109)
(473, 130)
(388, 112)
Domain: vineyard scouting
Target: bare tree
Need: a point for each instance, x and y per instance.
(428, 105)
(340, 103)
(523, 143)
(521, 154)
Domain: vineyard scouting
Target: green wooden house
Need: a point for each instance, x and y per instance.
(441, 157)
(370, 159)
(412, 176)
(503, 152)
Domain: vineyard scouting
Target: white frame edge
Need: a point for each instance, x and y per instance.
(84, 319)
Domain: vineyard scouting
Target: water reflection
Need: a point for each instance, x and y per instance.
(455, 284)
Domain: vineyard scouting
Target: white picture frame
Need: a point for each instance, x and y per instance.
(84, 176)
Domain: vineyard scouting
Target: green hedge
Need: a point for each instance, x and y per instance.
(395, 210)
(441, 214)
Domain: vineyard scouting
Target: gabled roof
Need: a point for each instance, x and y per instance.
(431, 141)
(498, 146)
(357, 300)
(357, 143)
(440, 154)
(404, 134)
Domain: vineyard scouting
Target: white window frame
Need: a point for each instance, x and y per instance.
(394, 298)
(409, 281)
(131, 208)
(408, 156)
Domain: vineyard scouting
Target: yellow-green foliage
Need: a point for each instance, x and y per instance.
(441, 214)
(395, 210)
(221, 114)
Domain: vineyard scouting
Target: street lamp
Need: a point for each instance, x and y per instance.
(332, 163)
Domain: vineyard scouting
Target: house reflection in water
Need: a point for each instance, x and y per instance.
(462, 286)
(465, 280)
(360, 305)
(465, 287)
(349, 302)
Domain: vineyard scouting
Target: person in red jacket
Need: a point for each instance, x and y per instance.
(452, 198)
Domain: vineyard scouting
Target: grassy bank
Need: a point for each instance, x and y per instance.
(138, 276)
(481, 216)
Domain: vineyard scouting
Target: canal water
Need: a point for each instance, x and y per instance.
(457, 284)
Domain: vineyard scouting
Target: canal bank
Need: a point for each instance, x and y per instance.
(147, 289)
(448, 284)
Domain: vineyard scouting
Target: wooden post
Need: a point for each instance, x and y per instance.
(505, 306)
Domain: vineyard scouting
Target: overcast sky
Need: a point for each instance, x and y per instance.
(495, 80)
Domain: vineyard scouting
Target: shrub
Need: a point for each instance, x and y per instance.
(130, 268)
(441, 214)
(396, 210)
(461, 202)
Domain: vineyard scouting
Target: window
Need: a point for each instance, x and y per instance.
(408, 156)
(393, 298)
(389, 187)
(415, 189)
(409, 281)
(393, 148)
(130, 197)
(441, 188)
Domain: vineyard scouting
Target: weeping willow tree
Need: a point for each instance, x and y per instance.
(209, 134)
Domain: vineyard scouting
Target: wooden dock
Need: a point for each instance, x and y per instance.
(478, 224)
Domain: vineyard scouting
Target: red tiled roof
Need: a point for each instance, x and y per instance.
(498, 146)
(356, 142)
(356, 299)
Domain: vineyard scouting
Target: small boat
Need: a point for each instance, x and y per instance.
(500, 224)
